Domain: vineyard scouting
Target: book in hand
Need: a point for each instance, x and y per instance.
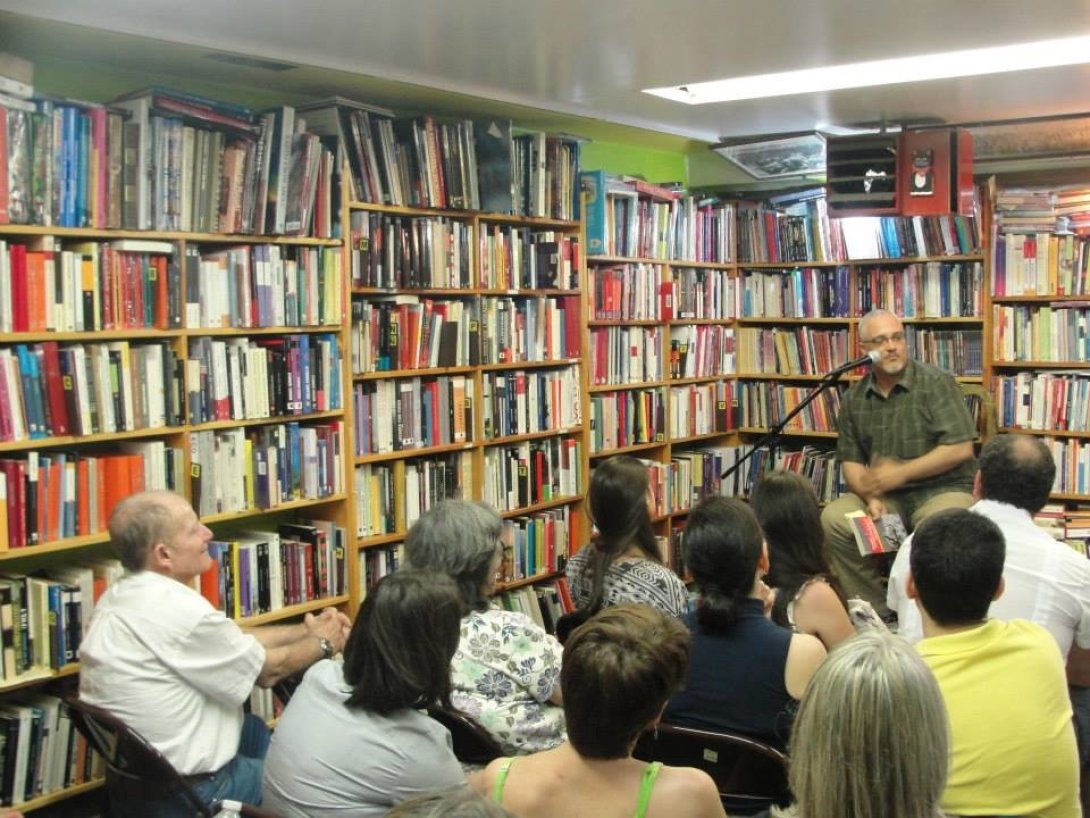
(879, 536)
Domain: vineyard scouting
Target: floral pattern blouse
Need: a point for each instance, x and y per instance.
(504, 671)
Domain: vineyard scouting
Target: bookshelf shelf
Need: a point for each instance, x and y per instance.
(92, 233)
(67, 544)
(1043, 432)
(1067, 364)
(99, 335)
(623, 387)
(635, 448)
(71, 440)
(379, 540)
(524, 581)
(401, 454)
(35, 676)
(556, 502)
(260, 331)
(62, 795)
(547, 433)
(291, 505)
(760, 430)
(413, 373)
(293, 611)
(508, 365)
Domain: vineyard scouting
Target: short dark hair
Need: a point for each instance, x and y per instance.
(722, 548)
(460, 539)
(1018, 470)
(619, 670)
(618, 507)
(957, 563)
(399, 650)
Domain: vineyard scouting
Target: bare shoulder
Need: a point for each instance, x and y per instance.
(681, 792)
(804, 656)
(482, 781)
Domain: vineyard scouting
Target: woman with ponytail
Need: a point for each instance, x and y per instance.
(747, 673)
(622, 563)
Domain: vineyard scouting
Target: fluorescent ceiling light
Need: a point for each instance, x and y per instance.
(967, 63)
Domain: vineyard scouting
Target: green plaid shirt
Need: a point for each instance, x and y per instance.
(925, 409)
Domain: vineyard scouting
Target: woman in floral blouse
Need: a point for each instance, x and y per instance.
(506, 671)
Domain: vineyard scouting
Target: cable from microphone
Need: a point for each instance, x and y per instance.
(872, 357)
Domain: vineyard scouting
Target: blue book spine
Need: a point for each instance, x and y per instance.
(594, 182)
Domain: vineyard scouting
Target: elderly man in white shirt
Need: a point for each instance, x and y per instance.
(163, 660)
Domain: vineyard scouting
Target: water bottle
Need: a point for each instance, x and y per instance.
(229, 809)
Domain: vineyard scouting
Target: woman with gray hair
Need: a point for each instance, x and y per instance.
(506, 671)
(870, 738)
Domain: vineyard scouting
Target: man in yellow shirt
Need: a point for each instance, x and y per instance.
(1013, 744)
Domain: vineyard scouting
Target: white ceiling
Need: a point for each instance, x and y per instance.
(590, 58)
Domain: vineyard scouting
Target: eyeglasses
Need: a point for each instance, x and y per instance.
(880, 340)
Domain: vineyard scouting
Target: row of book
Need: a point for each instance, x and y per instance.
(627, 417)
(255, 378)
(544, 603)
(702, 293)
(255, 572)
(630, 217)
(400, 414)
(791, 350)
(1072, 525)
(1043, 400)
(701, 409)
(818, 465)
(762, 404)
(49, 390)
(518, 402)
(235, 470)
(701, 351)
(461, 164)
(538, 471)
(41, 752)
(536, 544)
(959, 351)
(410, 252)
(767, 234)
(403, 331)
(930, 290)
(524, 328)
(798, 292)
(526, 258)
(1072, 457)
(1040, 264)
(690, 476)
(1057, 332)
(622, 355)
(263, 285)
(1042, 210)
(54, 495)
(391, 496)
(628, 292)
(48, 285)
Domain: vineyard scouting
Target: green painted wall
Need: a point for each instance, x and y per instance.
(652, 165)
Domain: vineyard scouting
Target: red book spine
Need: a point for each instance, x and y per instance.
(58, 406)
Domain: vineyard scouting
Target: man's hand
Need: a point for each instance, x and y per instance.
(886, 475)
(876, 507)
(330, 624)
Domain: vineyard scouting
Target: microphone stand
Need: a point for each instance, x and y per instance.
(774, 433)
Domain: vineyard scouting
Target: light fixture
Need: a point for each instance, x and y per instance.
(966, 63)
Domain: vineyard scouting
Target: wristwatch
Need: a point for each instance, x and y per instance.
(326, 646)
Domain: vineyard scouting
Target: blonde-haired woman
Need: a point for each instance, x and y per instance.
(871, 737)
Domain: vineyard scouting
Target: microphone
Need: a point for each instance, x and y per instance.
(871, 357)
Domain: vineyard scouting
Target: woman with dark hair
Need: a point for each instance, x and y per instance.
(506, 670)
(806, 596)
(746, 673)
(622, 562)
(620, 667)
(352, 741)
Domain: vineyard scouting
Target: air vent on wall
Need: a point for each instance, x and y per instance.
(251, 62)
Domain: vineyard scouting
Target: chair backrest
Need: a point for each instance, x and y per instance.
(750, 775)
(133, 766)
(472, 743)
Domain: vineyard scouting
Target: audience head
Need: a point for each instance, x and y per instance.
(724, 548)
(956, 566)
(462, 540)
(618, 495)
(460, 802)
(159, 531)
(619, 670)
(870, 739)
(404, 637)
(1018, 470)
(790, 517)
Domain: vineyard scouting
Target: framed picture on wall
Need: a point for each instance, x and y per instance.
(796, 155)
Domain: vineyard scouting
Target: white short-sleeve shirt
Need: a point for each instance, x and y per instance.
(163, 660)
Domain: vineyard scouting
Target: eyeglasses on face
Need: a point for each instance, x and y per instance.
(882, 340)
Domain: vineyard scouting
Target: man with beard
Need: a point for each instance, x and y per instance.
(905, 447)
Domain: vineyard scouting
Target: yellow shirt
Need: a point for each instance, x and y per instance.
(1012, 745)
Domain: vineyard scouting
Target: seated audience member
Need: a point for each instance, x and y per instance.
(462, 802)
(870, 739)
(620, 667)
(353, 741)
(163, 660)
(1012, 742)
(905, 446)
(746, 672)
(807, 598)
(507, 668)
(622, 562)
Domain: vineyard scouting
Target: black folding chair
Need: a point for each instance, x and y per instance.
(472, 743)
